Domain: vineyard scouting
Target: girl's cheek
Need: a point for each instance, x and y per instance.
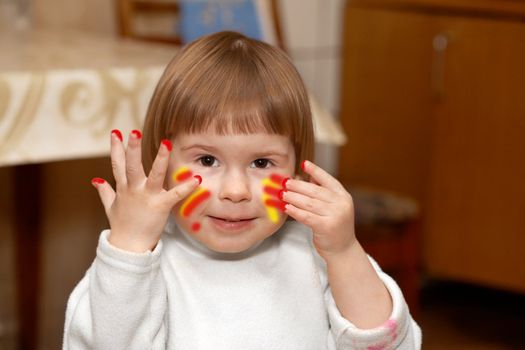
(271, 189)
(187, 210)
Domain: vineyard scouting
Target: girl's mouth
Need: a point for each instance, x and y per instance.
(231, 224)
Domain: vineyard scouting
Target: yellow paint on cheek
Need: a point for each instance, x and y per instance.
(273, 213)
(181, 174)
(196, 198)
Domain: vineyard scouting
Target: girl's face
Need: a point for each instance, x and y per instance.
(228, 212)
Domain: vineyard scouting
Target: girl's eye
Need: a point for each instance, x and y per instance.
(208, 160)
(261, 163)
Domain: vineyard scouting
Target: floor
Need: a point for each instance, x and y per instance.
(461, 316)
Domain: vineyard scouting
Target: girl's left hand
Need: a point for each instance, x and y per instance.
(325, 206)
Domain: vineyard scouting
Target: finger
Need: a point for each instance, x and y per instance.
(310, 189)
(184, 189)
(321, 177)
(306, 203)
(134, 169)
(304, 217)
(160, 166)
(118, 158)
(105, 192)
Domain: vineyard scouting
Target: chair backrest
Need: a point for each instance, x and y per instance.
(155, 20)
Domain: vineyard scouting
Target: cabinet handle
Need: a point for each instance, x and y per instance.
(439, 45)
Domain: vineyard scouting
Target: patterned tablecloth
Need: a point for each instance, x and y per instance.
(62, 93)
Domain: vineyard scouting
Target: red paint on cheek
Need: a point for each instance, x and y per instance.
(201, 197)
(195, 226)
(272, 191)
(277, 179)
(275, 204)
(184, 175)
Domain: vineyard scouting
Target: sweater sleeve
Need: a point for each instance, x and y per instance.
(399, 332)
(120, 303)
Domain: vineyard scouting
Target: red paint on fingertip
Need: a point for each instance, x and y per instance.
(137, 134)
(167, 143)
(195, 226)
(97, 181)
(117, 133)
(303, 165)
(285, 180)
(199, 178)
(280, 194)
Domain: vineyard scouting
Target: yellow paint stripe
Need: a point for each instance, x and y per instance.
(190, 199)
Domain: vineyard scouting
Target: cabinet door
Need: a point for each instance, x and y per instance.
(475, 222)
(385, 99)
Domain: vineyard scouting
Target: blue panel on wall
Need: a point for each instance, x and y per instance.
(202, 17)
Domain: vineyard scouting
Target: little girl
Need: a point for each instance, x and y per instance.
(203, 252)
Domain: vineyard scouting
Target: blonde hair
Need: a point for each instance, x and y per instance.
(229, 83)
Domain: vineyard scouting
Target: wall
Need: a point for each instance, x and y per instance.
(91, 15)
(312, 31)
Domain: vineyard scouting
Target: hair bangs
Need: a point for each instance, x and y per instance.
(233, 99)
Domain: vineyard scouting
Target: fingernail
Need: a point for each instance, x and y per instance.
(199, 178)
(303, 165)
(117, 133)
(137, 134)
(284, 182)
(167, 143)
(97, 181)
(281, 193)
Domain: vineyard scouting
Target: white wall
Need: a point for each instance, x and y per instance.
(312, 30)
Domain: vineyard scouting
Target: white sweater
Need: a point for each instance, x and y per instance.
(184, 296)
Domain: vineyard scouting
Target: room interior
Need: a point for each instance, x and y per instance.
(419, 112)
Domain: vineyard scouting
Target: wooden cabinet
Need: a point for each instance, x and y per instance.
(433, 101)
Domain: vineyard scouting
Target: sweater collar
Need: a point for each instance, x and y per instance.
(186, 241)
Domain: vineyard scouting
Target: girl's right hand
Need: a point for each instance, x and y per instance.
(139, 209)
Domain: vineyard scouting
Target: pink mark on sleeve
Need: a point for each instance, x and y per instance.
(376, 347)
(392, 328)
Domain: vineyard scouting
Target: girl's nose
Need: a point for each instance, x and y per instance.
(235, 187)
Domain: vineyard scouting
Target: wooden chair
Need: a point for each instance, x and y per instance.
(130, 12)
(388, 228)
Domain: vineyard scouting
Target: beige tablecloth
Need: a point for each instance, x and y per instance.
(62, 93)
